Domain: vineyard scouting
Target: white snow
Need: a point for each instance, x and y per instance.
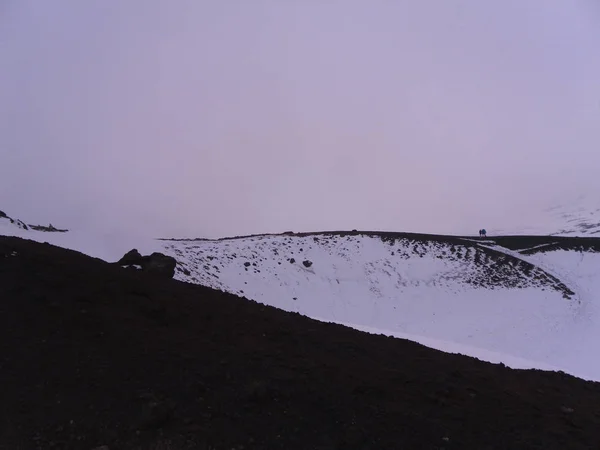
(8, 224)
(582, 270)
(371, 285)
(451, 347)
(406, 289)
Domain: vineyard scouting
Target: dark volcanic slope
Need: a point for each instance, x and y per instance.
(92, 354)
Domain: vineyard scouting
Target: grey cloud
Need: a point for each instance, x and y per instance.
(216, 118)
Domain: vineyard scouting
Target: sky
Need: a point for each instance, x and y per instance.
(215, 118)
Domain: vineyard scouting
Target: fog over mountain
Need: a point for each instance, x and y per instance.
(222, 118)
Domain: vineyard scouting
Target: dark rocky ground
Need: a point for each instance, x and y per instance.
(92, 354)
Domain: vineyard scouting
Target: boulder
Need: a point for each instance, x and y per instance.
(132, 257)
(157, 263)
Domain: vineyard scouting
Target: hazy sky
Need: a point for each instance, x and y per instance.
(213, 118)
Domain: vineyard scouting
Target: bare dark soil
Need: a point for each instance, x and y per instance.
(92, 354)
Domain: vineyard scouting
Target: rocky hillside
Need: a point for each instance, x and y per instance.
(95, 355)
(498, 299)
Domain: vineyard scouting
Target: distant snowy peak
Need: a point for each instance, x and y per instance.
(6, 221)
(577, 217)
(580, 218)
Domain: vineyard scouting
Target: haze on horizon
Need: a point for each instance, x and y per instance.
(219, 118)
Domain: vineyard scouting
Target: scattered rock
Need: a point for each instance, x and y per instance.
(247, 264)
(307, 263)
(292, 260)
(18, 223)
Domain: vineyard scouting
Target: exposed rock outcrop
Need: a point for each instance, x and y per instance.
(50, 228)
(131, 258)
(157, 263)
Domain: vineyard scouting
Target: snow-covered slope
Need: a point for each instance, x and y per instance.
(523, 301)
(582, 269)
(337, 259)
(465, 293)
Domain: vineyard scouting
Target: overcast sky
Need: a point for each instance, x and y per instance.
(214, 118)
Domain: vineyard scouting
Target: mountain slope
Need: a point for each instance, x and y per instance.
(95, 355)
(503, 299)
(464, 293)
